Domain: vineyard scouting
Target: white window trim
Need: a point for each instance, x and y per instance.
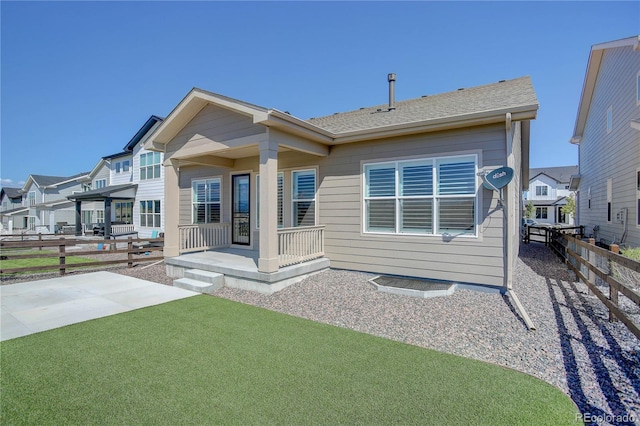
(221, 198)
(315, 195)
(435, 196)
(151, 214)
(637, 185)
(31, 201)
(99, 181)
(638, 88)
(609, 200)
(150, 166)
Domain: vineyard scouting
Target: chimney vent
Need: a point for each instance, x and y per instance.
(392, 91)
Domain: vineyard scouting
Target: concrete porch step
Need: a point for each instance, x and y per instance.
(200, 281)
(205, 276)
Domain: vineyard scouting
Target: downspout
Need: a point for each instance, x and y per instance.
(508, 205)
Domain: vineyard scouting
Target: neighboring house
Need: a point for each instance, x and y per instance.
(548, 192)
(10, 204)
(607, 131)
(391, 189)
(44, 203)
(127, 187)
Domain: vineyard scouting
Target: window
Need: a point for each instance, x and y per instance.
(150, 213)
(100, 216)
(609, 119)
(541, 213)
(150, 165)
(124, 212)
(118, 167)
(542, 190)
(206, 200)
(32, 198)
(101, 183)
(638, 88)
(126, 165)
(427, 196)
(609, 199)
(638, 197)
(87, 216)
(31, 223)
(280, 200)
(303, 197)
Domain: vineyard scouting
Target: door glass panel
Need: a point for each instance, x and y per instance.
(240, 210)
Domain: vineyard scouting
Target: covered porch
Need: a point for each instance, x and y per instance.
(210, 270)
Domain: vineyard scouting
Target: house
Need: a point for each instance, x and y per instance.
(10, 204)
(126, 188)
(390, 189)
(607, 132)
(44, 203)
(548, 192)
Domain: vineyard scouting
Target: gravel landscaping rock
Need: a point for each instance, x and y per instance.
(574, 346)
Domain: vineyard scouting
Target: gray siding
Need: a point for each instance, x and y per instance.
(340, 207)
(103, 173)
(614, 155)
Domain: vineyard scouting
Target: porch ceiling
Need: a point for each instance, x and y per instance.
(222, 158)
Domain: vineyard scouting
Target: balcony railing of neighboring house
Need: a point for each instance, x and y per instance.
(297, 245)
(204, 236)
(122, 229)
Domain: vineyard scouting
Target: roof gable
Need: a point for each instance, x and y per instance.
(590, 78)
(559, 174)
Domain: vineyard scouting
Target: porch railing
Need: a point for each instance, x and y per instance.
(296, 245)
(204, 236)
(122, 229)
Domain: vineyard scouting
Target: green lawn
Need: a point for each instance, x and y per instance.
(206, 360)
(38, 261)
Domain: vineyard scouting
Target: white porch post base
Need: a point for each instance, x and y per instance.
(268, 264)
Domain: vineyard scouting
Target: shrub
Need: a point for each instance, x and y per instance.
(626, 275)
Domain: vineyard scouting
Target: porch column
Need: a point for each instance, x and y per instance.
(107, 218)
(268, 260)
(78, 219)
(171, 209)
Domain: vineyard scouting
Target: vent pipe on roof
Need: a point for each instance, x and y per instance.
(392, 91)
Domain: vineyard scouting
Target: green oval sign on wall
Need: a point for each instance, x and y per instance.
(499, 178)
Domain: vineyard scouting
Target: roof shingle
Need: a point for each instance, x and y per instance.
(507, 94)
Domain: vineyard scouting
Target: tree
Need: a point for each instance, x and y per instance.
(570, 207)
(529, 210)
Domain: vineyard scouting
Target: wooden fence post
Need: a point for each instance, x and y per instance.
(63, 259)
(130, 252)
(40, 240)
(613, 293)
(592, 260)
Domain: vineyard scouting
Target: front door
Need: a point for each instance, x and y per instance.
(240, 215)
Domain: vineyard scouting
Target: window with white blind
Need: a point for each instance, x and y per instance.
(280, 200)
(303, 197)
(423, 197)
(206, 200)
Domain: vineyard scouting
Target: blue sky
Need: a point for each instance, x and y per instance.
(78, 79)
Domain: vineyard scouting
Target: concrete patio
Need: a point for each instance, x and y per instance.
(35, 306)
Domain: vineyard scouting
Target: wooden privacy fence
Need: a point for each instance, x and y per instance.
(599, 268)
(57, 248)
